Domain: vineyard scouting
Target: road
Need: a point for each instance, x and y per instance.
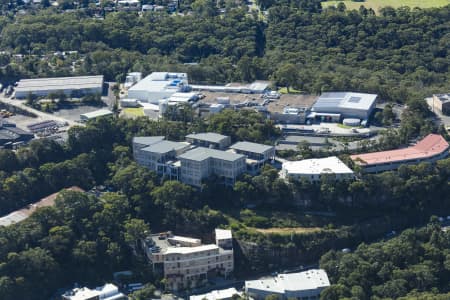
(41, 116)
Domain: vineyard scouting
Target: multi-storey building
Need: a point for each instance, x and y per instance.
(256, 154)
(209, 140)
(200, 163)
(161, 157)
(201, 156)
(430, 149)
(186, 262)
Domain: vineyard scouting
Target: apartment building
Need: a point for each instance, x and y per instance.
(186, 262)
(159, 155)
(201, 156)
(209, 140)
(256, 154)
(200, 163)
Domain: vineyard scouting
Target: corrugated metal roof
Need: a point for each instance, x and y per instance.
(59, 83)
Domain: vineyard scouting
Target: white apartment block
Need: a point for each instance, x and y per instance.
(200, 163)
(187, 263)
(160, 155)
(201, 156)
(256, 154)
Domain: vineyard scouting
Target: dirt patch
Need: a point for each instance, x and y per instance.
(291, 101)
(289, 230)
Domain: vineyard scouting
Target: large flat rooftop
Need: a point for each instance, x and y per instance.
(328, 165)
(349, 100)
(160, 81)
(166, 146)
(431, 145)
(59, 83)
(303, 281)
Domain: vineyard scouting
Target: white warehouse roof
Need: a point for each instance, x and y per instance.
(59, 83)
(317, 166)
(160, 81)
(96, 114)
(349, 100)
(303, 281)
(216, 295)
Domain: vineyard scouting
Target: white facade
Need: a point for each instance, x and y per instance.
(314, 169)
(107, 292)
(158, 86)
(185, 262)
(344, 104)
(200, 163)
(217, 295)
(304, 285)
(42, 87)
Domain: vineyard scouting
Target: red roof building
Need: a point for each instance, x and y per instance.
(433, 147)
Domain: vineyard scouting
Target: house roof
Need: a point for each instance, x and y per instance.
(431, 145)
(251, 147)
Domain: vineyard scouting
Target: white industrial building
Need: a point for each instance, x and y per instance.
(257, 87)
(314, 169)
(158, 86)
(107, 292)
(70, 86)
(335, 106)
(303, 285)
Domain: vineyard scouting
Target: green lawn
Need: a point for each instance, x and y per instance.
(134, 112)
(377, 4)
(283, 90)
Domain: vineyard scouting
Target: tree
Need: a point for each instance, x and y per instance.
(287, 75)
(135, 231)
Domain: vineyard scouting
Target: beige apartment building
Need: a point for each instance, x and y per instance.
(187, 263)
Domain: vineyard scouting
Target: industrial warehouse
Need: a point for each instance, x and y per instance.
(71, 86)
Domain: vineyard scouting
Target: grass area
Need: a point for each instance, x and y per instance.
(377, 4)
(283, 90)
(287, 230)
(134, 112)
